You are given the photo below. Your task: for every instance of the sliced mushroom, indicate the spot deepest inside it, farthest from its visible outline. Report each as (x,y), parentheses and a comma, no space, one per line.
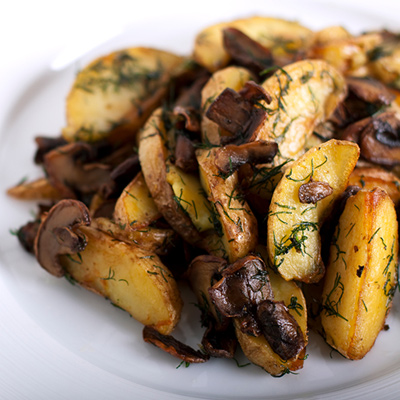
(173,346)
(46,144)
(245,51)
(58,234)
(244,284)
(281,330)
(312,192)
(230,157)
(380,140)
(220,344)
(237,113)
(71,171)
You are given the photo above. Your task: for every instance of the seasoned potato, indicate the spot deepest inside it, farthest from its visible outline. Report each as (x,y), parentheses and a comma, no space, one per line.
(135,207)
(304,94)
(230,77)
(153,155)
(301,200)
(189,194)
(281,36)
(238,226)
(361,275)
(39,189)
(371,177)
(257,349)
(115,94)
(132,278)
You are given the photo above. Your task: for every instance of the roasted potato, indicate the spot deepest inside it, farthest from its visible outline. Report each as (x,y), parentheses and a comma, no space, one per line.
(281,36)
(237,225)
(135,207)
(39,189)
(132,278)
(361,275)
(114,95)
(304,94)
(294,219)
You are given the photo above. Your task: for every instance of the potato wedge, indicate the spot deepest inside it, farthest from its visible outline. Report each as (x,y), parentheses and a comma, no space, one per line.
(281,36)
(257,349)
(229,77)
(153,240)
(371,177)
(39,189)
(114,95)
(361,275)
(294,221)
(153,155)
(237,226)
(132,278)
(135,207)
(304,94)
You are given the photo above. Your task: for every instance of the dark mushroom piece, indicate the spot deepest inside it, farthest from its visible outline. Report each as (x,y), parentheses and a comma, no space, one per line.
(59,234)
(230,157)
(245,51)
(244,284)
(71,171)
(219,344)
(173,346)
(281,330)
(314,191)
(238,113)
(45,144)
(380,140)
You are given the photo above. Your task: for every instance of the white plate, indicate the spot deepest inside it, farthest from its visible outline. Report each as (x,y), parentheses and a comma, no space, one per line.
(58,341)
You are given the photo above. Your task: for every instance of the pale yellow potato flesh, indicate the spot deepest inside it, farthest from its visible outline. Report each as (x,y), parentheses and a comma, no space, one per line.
(230,77)
(281,36)
(293,240)
(361,275)
(190,195)
(135,207)
(239,233)
(304,94)
(130,277)
(115,94)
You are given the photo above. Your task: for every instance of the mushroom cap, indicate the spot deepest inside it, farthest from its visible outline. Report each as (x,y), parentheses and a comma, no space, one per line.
(58,234)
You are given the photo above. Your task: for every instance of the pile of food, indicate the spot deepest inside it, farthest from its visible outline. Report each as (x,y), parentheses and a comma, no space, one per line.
(262,170)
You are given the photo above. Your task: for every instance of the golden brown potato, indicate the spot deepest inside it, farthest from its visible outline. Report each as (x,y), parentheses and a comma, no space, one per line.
(132,278)
(361,275)
(281,36)
(153,155)
(229,77)
(135,207)
(371,177)
(233,216)
(39,189)
(153,240)
(115,94)
(304,94)
(300,202)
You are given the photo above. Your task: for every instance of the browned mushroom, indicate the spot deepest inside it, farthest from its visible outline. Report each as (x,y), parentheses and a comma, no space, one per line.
(220,344)
(314,191)
(71,171)
(380,140)
(281,330)
(365,97)
(46,144)
(173,346)
(238,113)
(58,234)
(245,51)
(230,157)
(244,284)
